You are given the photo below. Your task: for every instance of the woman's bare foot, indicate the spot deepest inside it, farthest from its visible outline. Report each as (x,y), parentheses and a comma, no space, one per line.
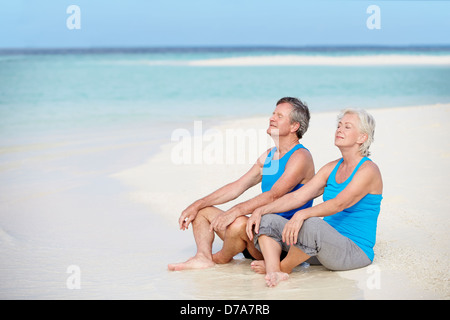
(258,266)
(274,278)
(196,262)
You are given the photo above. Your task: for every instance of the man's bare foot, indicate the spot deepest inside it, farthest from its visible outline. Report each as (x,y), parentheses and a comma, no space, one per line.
(196,262)
(274,278)
(258,266)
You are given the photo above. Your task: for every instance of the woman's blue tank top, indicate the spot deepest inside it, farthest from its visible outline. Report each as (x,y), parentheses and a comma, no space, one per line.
(273,170)
(359,222)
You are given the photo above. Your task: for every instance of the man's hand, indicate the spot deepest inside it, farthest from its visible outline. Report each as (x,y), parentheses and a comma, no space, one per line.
(222,221)
(187,216)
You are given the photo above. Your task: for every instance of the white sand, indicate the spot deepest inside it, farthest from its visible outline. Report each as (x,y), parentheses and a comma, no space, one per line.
(64,203)
(412,252)
(308,60)
(302,60)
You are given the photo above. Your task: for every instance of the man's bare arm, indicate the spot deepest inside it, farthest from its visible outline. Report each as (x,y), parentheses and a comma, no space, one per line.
(298,170)
(224,194)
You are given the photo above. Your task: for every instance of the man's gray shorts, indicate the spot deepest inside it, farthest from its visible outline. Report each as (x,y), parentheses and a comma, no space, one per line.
(317,239)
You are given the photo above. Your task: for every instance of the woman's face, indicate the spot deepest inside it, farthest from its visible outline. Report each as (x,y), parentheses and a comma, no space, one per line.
(348,133)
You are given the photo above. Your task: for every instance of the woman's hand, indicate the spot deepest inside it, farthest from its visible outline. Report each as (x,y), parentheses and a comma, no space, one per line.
(292,228)
(254,221)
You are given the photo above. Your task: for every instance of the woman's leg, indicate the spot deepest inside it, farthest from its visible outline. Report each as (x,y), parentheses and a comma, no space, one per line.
(333,250)
(268,241)
(316,239)
(271,251)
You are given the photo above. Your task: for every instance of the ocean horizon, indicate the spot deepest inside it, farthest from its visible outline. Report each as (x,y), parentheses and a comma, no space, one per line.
(221,48)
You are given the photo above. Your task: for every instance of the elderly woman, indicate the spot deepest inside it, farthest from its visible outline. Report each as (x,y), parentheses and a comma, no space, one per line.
(345,237)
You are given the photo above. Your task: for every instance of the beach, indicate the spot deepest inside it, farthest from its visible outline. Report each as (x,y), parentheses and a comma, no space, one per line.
(412,250)
(118,229)
(96,167)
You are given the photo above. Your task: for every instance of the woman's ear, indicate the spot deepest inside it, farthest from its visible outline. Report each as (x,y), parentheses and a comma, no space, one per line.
(362,138)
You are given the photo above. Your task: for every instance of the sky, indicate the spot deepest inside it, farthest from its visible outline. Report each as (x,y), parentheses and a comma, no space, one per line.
(215,23)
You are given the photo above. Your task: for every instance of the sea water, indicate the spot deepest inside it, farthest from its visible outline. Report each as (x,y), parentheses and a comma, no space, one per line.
(71,119)
(64,91)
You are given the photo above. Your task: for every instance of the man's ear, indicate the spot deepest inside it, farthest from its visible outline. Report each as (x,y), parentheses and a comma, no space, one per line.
(295,126)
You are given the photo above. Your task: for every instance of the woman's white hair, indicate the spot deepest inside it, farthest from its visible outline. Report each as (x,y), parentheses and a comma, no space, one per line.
(366,126)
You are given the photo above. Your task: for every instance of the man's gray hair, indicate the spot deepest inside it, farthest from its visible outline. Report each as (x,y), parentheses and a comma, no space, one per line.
(299,113)
(366,125)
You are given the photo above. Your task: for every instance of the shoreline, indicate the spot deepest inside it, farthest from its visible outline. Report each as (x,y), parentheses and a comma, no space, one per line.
(411,254)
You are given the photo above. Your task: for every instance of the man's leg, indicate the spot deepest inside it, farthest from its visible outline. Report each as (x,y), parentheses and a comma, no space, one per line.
(294,257)
(236,241)
(204,240)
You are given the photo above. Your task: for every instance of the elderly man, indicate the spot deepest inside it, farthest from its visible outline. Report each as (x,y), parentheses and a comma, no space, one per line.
(280,170)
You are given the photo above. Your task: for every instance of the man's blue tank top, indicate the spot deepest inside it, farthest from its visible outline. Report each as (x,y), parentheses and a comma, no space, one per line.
(273,170)
(359,222)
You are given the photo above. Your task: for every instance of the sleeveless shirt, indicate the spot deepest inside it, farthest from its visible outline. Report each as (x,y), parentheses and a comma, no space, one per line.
(273,170)
(358,222)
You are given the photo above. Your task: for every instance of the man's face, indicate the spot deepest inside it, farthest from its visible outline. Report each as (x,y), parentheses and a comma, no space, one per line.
(280,121)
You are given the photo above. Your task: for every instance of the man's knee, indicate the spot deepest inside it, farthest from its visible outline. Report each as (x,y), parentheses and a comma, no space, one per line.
(237,228)
(208,213)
